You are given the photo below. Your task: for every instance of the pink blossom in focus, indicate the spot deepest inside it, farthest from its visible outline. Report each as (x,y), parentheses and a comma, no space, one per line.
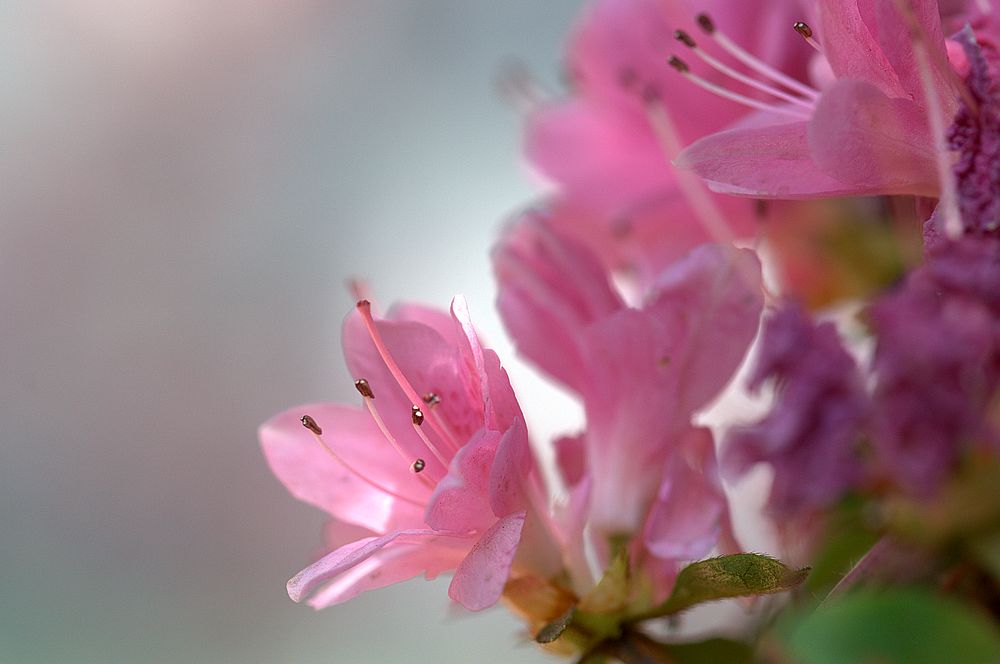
(641,373)
(433,476)
(866,132)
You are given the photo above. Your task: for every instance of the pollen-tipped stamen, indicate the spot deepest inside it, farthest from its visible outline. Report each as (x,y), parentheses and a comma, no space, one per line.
(380,423)
(806,32)
(310,424)
(753,62)
(725,69)
(365,309)
(685,71)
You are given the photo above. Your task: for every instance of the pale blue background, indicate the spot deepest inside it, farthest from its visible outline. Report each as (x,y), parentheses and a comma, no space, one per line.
(184,188)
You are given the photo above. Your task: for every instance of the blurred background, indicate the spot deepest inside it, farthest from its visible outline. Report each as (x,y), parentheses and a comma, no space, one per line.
(185,186)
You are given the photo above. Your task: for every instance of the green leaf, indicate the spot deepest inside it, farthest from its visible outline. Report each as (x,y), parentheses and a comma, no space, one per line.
(901,626)
(724,577)
(712,651)
(555,629)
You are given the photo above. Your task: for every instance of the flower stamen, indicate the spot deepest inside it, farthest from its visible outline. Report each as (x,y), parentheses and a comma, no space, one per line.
(310,424)
(685,71)
(751,61)
(725,69)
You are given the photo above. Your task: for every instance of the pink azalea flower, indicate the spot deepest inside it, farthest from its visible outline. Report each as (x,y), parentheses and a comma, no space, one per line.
(604,145)
(641,373)
(869,131)
(434,474)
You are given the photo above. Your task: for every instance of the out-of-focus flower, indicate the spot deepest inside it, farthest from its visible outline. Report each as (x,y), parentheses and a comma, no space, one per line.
(439,473)
(812,433)
(868,130)
(604,145)
(937,363)
(641,373)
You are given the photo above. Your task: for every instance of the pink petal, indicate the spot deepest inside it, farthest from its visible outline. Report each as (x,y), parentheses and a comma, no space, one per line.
(511,471)
(690,509)
(398,561)
(714,313)
(767,162)
(436,319)
(571,459)
(550,287)
(849,34)
(873,143)
(312,475)
(461,502)
(343,559)
(600,155)
(480,578)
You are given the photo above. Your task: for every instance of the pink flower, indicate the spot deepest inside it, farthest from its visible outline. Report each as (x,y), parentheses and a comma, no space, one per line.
(433,475)
(604,145)
(867,132)
(641,373)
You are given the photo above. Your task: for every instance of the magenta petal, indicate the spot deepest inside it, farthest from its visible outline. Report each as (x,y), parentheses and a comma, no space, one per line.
(511,471)
(312,474)
(873,143)
(343,559)
(766,162)
(849,33)
(480,578)
(690,509)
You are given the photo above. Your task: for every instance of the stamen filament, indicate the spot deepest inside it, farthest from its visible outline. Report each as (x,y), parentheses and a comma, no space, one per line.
(433,448)
(752,61)
(685,71)
(380,423)
(365,308)
(722,67)
(364,478)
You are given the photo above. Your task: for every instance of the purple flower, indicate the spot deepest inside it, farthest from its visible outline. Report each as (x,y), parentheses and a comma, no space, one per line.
(810,436)
(937,362)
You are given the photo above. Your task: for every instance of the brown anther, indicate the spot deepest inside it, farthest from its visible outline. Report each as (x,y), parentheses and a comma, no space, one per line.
(418,465)
(684,38)
(363,303)
(309,423)
(705,23)
(431,399)
(364,388)
(803,29)
(418,415)
(678,64)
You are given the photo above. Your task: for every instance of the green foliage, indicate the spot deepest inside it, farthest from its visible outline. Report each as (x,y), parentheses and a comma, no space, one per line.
(901,626)
(737,575)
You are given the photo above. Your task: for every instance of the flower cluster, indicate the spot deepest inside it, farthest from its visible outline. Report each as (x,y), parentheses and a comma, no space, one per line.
(698,140)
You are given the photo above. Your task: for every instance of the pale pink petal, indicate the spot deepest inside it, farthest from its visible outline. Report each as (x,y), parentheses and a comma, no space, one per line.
(503,403)
(398,561)
(461,502)
(767,162)
(873,143)
(344,558)
(690,509)
(480,578)
(713,301)
(470,350)
(511,471)
(313,475)
(896,40)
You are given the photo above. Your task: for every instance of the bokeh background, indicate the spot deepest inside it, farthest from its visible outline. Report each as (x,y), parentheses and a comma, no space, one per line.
(185,186)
